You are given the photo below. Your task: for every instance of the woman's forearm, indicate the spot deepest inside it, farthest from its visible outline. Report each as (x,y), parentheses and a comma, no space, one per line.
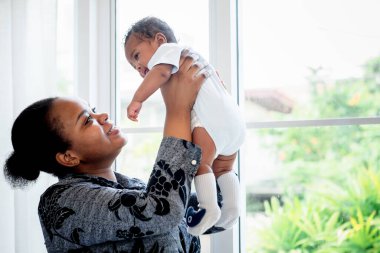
(177,124)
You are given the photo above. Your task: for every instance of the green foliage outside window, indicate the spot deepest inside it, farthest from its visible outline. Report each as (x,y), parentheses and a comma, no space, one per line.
(331,175)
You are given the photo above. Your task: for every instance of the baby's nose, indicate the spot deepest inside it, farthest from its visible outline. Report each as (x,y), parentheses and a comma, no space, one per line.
(137,66)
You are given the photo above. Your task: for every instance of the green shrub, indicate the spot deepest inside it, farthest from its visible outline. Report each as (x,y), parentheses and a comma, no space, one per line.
(345,221)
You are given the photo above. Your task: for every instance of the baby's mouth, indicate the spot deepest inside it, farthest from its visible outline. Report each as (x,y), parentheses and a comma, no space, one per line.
(146,71)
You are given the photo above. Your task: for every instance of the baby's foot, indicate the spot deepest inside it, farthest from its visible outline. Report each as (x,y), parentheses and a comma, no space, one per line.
(201,220)
(228,218)
(230,189)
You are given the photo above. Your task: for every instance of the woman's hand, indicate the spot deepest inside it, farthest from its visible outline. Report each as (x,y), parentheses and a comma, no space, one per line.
(179,95)
(181,90)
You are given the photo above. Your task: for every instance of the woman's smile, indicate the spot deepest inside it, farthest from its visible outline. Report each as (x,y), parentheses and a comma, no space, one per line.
(113,131)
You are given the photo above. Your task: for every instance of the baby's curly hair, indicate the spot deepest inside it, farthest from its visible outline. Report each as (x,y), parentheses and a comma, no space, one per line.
(148,27)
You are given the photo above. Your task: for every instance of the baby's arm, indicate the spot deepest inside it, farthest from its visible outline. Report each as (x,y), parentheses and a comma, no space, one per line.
(153,80)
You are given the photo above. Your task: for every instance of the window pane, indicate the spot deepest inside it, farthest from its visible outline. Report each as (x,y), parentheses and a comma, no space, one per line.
(310,59)
(190,31)
(138,156)
(322,179)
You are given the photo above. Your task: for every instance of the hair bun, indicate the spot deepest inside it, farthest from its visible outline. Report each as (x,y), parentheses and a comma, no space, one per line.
(19,171)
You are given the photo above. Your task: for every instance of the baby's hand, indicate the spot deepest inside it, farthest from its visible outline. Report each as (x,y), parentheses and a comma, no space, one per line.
(133,110)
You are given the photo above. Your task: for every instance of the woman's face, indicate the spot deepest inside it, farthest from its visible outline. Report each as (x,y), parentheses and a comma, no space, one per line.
(94,139)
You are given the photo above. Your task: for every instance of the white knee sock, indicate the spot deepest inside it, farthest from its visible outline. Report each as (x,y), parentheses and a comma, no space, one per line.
(230,189)
(205,186)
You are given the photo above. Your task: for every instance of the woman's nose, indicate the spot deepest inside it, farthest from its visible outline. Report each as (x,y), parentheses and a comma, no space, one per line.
(103,118)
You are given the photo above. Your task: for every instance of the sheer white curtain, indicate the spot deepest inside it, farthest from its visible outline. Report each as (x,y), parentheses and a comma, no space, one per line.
(27,73)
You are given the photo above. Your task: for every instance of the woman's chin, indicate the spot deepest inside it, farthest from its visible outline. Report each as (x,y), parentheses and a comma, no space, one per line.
(124,140)
(120,137)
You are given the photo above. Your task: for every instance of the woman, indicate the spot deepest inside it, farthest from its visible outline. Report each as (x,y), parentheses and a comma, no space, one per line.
(92,208)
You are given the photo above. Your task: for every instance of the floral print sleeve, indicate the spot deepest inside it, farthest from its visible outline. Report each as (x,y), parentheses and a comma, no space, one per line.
(81,210)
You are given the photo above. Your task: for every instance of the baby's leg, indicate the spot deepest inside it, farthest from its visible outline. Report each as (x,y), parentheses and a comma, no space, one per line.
(205,187)
(229,186)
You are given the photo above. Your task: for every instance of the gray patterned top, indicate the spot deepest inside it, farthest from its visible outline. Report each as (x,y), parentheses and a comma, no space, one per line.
(83,213)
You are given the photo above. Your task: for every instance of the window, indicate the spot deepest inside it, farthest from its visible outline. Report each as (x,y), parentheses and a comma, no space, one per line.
(145,135)
(190,23)
(310,74)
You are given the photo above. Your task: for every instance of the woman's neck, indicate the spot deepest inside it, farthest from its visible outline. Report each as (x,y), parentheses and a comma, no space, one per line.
(110,175)
(106,173)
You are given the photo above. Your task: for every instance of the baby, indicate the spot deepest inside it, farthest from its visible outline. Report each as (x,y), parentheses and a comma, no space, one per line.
(216,122)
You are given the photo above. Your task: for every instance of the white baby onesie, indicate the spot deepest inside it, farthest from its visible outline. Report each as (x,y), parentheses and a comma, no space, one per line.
(214,108)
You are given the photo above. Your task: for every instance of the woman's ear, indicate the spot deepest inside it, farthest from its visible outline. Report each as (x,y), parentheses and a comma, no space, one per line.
(67,159)
(160,38)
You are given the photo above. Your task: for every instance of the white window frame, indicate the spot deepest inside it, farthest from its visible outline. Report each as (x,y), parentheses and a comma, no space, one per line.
(257,125)
(95,67)
(95,78)
(94,52)
(224,57)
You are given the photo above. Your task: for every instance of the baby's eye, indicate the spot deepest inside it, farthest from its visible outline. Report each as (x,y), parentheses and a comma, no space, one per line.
(136,56)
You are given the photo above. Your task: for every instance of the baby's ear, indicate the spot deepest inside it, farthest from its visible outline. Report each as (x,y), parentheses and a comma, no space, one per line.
(160,38)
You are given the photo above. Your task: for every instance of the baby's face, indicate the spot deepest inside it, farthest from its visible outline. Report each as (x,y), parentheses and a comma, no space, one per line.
(138,53)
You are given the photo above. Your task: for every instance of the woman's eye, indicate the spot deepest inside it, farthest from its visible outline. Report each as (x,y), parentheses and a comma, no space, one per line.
(136,57)
(88,119)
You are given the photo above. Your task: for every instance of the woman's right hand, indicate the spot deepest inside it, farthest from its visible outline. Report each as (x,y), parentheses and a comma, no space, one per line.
(179,95)
(181,90)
